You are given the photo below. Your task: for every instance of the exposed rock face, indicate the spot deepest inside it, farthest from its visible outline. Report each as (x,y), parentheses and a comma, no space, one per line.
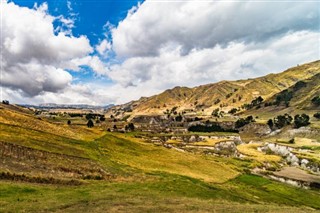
(286,153)
(256,128)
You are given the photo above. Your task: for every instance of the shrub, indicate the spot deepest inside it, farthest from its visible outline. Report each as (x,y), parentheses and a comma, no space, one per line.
(242,122)
(5,102)
(282,120)
(233,111)
(301,120)
(90,124)
(317,115)
(316,100)
(270,123)
(285,96)
(215,113)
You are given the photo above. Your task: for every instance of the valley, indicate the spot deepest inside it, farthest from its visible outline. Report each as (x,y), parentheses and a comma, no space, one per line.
(256,149)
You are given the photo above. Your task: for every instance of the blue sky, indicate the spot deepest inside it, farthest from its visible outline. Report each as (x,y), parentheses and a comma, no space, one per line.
(90,18)
(101,52)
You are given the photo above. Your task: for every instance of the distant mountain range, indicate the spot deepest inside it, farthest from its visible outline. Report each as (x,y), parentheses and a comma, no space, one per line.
(67,106)
(227,95)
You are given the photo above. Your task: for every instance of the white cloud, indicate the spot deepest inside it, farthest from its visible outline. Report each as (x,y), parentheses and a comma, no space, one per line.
(204,24)
(159,45)
(103,47)
(164,44)
(34,58)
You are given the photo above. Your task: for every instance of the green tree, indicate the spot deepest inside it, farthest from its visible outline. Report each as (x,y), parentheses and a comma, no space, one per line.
(90,123)
(316,100)
(317,115)
(301,120)
(282,120)
(270,123)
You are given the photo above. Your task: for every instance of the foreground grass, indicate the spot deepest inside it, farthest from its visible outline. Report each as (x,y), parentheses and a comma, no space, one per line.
(161,192)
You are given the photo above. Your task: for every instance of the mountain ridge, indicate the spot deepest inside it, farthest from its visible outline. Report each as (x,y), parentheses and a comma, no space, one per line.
(224,94)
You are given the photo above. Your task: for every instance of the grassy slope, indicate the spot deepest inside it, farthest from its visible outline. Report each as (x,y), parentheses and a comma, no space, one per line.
(300,102)
(147,178)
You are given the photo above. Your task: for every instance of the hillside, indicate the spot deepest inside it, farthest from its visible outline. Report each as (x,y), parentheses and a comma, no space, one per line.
(225,94)
(72,168)
(293,100)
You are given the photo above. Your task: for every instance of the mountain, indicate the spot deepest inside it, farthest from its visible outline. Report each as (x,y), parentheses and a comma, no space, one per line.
(225,94)
(295,99)
(67,106)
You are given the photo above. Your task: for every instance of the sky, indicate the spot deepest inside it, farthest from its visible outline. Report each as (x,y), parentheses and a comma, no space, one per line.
(113,51)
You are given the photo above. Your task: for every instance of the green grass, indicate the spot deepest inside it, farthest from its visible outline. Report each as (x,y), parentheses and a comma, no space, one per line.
(146,178)
(147,157)
(161,192)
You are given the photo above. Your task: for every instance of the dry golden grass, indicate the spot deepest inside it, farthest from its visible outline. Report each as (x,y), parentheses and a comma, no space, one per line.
(251,151)
(209,142)
(134,152)
(28,121)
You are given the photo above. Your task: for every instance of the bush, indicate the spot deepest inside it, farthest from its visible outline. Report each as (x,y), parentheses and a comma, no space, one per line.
(242,122)
(301,120)
(285,96)
(215,113)
(129,127)
(270,123)
(6,102)
(214,127)
(282,120)
(90,124)
(317,115)
(233,111)
(316,100)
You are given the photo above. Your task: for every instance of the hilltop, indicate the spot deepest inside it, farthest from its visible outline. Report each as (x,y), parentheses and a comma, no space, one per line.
(224,95)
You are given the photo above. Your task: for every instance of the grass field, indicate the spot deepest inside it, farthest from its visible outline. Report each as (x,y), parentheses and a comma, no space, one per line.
(163,193)
(250,150)
(143,177)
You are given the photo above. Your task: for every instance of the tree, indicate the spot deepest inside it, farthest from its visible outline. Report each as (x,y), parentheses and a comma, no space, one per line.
(316,100)
(178,118)
(317,115)
(130,127)
(69,122)
(301,120)
(270,123)
(233,111)
(244,121)
(102,118)
(90,123)
(285,96)
(215,112)
(90,116)
(6,102)
(282,120)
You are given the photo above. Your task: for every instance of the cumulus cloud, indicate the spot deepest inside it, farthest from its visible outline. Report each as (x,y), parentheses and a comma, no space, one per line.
(203,24)
(159,45)
(165,44)
(35,56)
(103,47)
